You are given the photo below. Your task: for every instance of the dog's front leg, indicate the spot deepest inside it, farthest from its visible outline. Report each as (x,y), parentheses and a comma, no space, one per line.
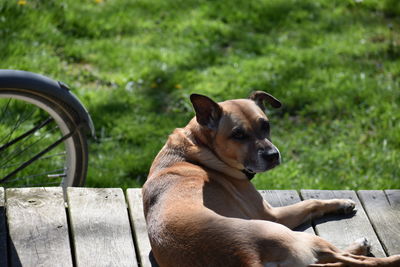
(296,214)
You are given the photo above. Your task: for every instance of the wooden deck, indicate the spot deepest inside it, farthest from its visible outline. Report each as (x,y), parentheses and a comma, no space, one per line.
(105,227)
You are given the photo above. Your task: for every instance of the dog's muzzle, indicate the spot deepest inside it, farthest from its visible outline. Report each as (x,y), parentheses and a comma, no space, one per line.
(265,159)
(272,157)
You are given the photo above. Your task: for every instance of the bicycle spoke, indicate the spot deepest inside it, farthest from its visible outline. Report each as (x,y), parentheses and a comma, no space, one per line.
(54,155)
(19,152)
(31,131)
(38,155)
(50,174)
(21,144)
(16,126)
(42,158)
(5,110)
(40,184)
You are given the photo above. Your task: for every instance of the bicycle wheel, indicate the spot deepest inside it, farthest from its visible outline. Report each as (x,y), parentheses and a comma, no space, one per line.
(42,139)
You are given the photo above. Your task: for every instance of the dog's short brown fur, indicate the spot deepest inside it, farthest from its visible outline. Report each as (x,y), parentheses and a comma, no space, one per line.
(202,210)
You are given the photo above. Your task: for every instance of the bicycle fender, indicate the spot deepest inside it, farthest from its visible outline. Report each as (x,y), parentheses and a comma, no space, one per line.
(28,80)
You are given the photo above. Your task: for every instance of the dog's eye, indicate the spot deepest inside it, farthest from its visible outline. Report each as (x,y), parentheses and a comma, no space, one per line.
(239,134)
(265,127)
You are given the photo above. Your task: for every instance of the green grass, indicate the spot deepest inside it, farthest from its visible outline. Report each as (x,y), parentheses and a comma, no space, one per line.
(334,64)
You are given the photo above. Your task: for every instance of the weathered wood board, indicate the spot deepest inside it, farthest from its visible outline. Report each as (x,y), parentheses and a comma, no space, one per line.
(342,230)
(394,198)
(104,233)
(100,227)
(3,231)
(38,228)
(280,198)
(134,196)
(384,213)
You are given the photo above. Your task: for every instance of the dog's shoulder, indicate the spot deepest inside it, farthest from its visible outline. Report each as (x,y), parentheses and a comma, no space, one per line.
(185,176)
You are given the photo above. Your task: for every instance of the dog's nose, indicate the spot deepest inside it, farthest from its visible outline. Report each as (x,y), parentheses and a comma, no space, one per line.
(271,156)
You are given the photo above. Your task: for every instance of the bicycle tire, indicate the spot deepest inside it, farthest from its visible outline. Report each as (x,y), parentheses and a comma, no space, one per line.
(68,113)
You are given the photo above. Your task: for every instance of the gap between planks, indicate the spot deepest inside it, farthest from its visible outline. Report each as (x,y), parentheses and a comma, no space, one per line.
(3,231)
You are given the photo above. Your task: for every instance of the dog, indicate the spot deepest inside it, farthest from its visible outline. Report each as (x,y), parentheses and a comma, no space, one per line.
(202,210)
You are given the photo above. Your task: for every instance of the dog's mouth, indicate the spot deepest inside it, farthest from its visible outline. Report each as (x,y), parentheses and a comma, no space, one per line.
(249,173)
(260,169)
(247,170)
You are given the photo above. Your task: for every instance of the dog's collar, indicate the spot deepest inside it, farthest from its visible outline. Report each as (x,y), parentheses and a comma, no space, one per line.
(249,175)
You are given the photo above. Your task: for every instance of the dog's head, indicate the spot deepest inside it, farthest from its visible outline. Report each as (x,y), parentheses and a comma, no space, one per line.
(238,131)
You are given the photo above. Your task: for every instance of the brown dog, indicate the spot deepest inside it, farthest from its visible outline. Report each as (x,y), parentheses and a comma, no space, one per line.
(202,210)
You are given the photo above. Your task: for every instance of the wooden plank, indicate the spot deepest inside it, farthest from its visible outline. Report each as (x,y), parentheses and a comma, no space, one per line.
(394,198)
(3,231)
(280,198)
(38,228)
(342,230)
(100,227)
(138,221)
(384,217)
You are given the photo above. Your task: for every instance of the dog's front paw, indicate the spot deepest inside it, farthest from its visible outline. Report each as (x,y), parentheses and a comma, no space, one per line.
(347,206)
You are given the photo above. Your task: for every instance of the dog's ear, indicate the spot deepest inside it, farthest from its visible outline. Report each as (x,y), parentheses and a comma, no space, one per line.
(207,111)
(259,97)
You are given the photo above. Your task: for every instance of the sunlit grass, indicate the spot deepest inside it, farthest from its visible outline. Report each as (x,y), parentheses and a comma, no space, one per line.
(334,65)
